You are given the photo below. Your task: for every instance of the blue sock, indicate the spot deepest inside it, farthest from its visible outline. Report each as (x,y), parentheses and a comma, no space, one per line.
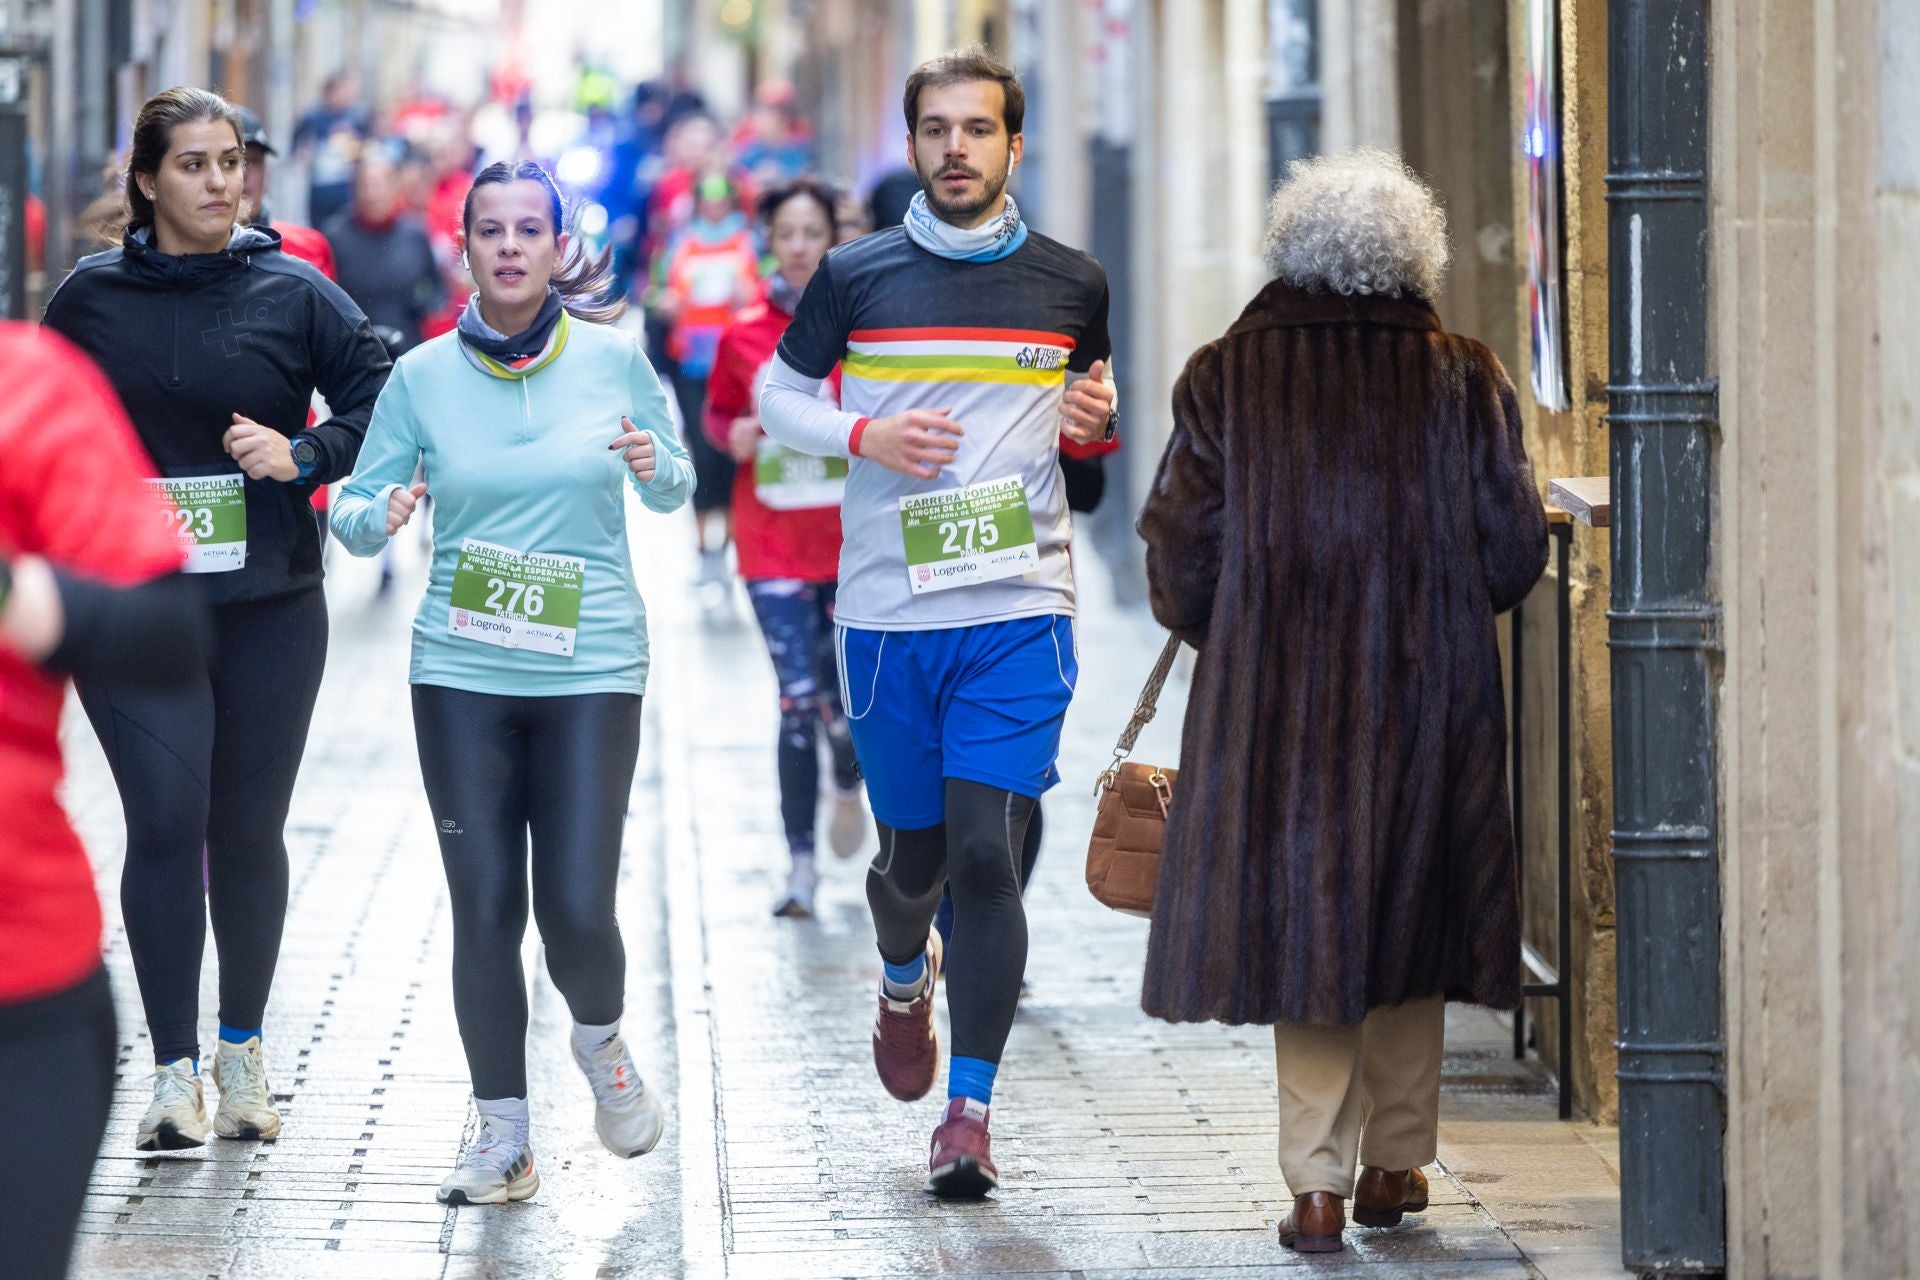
(237,1035)
(905,980)
(971,1078)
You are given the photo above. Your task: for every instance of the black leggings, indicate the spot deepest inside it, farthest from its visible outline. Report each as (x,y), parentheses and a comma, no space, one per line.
(796,618)
(57,1047)
(1029,858)
(206,775)
(496,769)
(977,849)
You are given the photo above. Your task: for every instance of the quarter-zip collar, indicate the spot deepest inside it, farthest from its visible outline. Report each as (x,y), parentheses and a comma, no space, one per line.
(192,269)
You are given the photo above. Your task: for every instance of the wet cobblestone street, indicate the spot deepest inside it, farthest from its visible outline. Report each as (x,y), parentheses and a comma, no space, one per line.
(1128,1148)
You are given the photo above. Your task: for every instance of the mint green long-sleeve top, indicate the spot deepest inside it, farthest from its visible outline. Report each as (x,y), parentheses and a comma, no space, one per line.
(521,463)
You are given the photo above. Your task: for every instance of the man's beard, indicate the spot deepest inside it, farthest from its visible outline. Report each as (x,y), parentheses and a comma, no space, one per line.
(963,213)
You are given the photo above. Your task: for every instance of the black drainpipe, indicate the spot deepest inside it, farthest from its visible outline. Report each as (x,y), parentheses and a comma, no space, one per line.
(1664,628)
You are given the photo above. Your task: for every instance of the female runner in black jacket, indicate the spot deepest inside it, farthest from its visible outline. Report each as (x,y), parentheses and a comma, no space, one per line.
(215,341)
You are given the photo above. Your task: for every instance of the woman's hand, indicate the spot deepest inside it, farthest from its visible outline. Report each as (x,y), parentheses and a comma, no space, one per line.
(743,439)
(262,452)
(400,506)
(636,447)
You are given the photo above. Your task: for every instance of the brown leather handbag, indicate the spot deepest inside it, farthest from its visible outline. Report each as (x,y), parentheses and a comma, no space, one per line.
(1123,858)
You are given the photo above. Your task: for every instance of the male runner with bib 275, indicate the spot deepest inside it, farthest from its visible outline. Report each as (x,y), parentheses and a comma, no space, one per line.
(967,344)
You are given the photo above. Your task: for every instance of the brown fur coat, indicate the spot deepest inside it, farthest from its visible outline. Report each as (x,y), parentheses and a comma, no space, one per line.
(1343,507)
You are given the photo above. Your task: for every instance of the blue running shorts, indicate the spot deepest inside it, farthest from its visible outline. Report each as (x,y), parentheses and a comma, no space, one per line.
(982,703)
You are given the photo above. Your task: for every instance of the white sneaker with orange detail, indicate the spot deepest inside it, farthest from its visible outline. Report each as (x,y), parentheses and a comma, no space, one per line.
(627,1115)
(498,1167)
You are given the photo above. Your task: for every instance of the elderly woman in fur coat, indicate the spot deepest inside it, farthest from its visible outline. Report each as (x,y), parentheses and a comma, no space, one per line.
(1343,508)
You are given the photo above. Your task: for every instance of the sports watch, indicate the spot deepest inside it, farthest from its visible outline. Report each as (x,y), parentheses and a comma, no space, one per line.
(1113,424)
(306,454)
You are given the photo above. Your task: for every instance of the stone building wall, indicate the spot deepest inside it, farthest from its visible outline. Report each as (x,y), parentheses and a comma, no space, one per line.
(1816,250)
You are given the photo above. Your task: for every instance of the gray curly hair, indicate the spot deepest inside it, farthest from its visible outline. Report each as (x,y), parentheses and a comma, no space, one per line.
(1359,221)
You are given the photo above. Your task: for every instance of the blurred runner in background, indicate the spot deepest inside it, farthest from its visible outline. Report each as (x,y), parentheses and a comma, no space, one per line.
(384,258)
(301,242)
(708,271)
(773,144)
(327,141)
(786,511)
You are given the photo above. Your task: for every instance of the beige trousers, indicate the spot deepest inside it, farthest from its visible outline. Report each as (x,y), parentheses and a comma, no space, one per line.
(1366,1093)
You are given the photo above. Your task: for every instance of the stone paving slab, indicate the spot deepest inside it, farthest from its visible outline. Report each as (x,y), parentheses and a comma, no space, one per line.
(1129,1148)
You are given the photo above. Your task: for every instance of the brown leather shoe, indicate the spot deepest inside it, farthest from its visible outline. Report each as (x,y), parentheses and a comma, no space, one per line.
(1382,1197)
(1314,1223)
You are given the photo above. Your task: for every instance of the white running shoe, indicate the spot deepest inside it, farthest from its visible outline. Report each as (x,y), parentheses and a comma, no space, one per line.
(796,902)
(498,1167)
(246,1103)
(177,1119)
(627,1115)
(847,830)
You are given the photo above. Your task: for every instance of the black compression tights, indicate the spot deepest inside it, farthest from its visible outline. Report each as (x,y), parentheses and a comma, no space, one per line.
(57,1047)
(499,769)
(977,850)
(206,774)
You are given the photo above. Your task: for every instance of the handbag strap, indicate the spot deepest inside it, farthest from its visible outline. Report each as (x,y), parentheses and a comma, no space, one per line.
(1143,710)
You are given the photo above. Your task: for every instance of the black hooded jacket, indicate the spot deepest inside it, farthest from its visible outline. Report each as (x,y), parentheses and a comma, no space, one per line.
(189,341)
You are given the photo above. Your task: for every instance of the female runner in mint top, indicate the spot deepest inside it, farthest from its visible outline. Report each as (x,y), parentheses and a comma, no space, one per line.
(530,647)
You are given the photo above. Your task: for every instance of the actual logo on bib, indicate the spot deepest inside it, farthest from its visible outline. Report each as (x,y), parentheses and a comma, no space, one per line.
(1041,358)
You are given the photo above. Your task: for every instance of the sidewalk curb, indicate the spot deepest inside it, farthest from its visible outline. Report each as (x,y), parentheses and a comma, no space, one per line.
(702,1127)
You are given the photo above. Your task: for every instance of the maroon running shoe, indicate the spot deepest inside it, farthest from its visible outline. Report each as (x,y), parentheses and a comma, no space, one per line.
(961,1165)
(906,1050)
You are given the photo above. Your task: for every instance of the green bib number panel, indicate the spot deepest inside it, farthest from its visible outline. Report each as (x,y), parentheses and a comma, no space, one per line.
(515,599)
(208,514)
(961,537)
(787,481)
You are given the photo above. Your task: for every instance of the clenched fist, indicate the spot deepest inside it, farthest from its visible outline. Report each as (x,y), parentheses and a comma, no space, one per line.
(637,448)
(262,452)
(400,506)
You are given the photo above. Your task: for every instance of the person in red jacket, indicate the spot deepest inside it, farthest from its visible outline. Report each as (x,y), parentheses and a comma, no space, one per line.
(786,529)
(88,587)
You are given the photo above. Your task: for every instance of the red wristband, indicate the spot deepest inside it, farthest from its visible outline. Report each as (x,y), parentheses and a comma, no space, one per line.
(853,437)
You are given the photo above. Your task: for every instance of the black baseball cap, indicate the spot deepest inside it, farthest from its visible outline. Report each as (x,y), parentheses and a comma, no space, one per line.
(253,133)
